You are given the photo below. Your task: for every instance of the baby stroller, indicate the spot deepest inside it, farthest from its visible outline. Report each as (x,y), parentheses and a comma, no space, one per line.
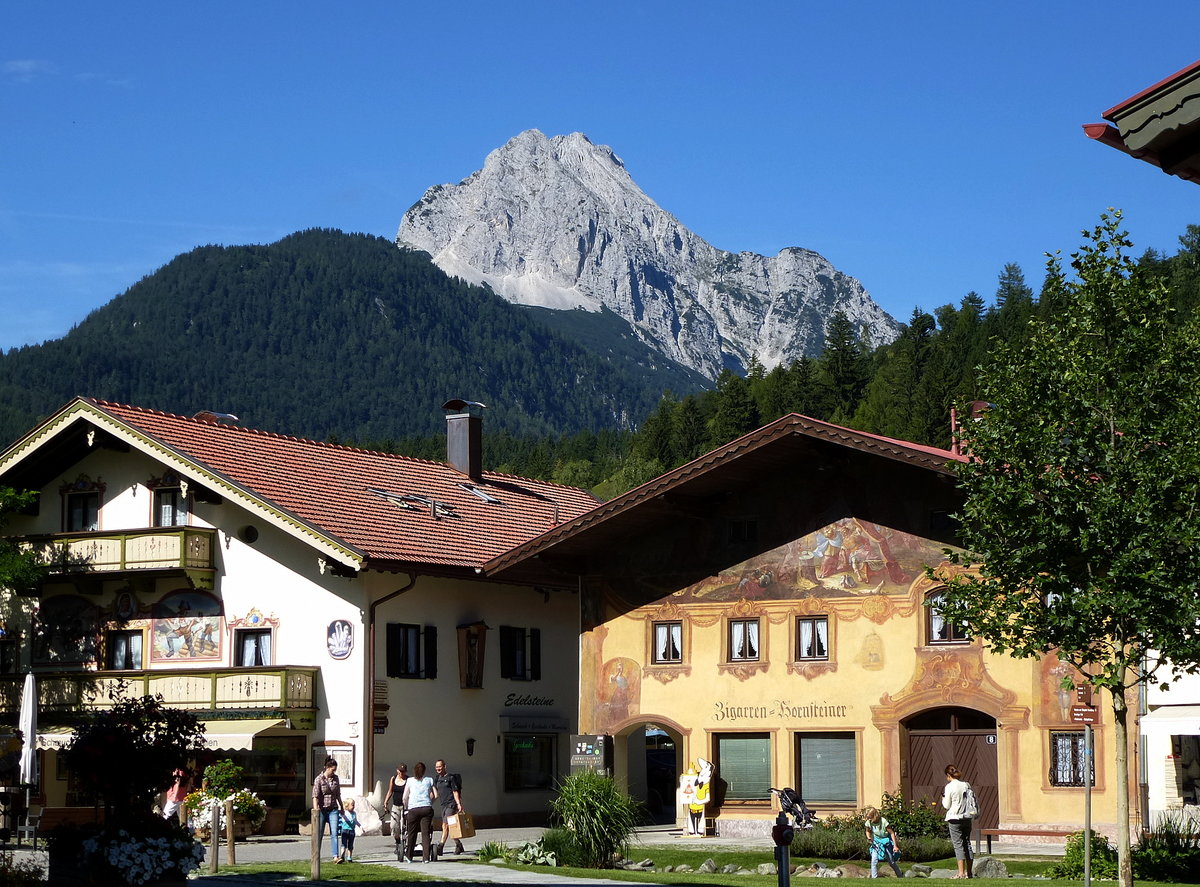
(793,805)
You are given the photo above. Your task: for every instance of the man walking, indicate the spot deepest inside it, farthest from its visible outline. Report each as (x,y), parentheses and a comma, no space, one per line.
(449,793)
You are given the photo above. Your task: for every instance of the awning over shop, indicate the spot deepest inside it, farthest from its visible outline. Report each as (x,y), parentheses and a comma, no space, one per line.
(237,735)
(54,737)
(1173,720)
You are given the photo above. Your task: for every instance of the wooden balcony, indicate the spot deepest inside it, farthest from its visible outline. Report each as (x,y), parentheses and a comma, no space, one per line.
(282,691)
(186,550)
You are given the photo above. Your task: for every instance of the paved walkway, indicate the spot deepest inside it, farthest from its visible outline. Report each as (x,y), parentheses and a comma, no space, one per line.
(380,850)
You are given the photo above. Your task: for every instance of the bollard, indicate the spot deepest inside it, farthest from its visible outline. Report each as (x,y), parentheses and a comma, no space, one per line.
(214,836)
(230,853)
(782,834)
(314,862)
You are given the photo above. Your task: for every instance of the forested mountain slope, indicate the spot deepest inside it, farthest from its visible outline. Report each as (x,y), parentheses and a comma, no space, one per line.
(330,334)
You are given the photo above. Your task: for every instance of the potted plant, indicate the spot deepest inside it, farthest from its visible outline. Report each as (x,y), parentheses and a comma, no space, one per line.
(223,781)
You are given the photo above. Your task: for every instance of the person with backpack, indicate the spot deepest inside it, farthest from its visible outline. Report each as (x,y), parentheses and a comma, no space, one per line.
(961,807)
(883,841)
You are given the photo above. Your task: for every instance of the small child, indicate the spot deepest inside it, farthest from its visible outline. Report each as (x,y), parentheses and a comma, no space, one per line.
(347,823)
(884,844)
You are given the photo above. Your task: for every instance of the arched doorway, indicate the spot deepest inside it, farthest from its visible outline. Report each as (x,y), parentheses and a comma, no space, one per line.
(961,736)
(652,767)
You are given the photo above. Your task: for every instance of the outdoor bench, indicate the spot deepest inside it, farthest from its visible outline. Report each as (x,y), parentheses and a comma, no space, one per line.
(990,833)
(49,818)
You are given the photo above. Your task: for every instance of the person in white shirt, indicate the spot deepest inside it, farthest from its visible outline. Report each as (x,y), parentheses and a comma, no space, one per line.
(956,819)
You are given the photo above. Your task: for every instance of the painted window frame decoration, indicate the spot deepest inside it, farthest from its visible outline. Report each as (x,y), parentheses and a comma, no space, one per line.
(665,671)
(816,630)
(744,640)
(749,615)
(187,626)
(82,488)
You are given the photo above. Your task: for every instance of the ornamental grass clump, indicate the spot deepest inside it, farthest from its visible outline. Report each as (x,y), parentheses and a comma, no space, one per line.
(599,814)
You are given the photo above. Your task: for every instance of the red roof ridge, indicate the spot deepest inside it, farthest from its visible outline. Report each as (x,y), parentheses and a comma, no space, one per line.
(260,432)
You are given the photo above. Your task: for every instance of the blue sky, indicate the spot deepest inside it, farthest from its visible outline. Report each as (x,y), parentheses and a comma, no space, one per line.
(918,146)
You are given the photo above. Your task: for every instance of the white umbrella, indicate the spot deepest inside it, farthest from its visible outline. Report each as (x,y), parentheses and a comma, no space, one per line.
(28,728)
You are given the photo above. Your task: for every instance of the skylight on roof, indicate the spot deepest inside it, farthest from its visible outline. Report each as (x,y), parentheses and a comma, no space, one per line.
(414,502)
(482,494)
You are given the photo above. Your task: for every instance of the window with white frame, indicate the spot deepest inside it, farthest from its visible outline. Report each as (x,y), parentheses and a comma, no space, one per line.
(170,507)
(252,647)
(520,653)
(812,638)
(743,640)
(411,650)
(668,642)
(939,629)
(123,650)
(82,511)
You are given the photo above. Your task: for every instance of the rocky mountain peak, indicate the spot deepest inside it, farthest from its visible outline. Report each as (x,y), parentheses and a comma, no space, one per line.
(559,223)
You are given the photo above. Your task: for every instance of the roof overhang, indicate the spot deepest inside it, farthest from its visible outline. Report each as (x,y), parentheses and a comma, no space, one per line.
(1160,125)
(82,425)
(776,447)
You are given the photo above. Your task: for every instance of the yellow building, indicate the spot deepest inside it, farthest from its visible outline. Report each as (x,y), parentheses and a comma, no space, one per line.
(766,608)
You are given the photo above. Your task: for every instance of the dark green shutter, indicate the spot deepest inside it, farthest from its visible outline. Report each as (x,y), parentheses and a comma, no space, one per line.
(430,651)
(395,667)
(535,654)
(508,650)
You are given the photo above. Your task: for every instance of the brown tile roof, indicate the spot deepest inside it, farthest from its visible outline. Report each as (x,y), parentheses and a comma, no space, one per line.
(329,488)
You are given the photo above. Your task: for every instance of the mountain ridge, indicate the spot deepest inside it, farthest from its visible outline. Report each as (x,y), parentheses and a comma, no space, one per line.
(559,223)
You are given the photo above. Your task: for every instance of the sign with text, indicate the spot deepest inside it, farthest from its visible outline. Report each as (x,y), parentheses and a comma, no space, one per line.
(1083,714)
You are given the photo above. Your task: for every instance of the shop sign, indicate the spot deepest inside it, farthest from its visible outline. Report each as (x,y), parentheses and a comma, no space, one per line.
(778,710)
(547,723)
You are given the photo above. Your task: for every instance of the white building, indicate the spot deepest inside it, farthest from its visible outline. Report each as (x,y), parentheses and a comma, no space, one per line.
(305,599)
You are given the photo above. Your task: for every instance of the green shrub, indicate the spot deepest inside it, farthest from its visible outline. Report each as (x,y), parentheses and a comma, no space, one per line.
(535,853)
(1104,859)
(1171,851)
(599,814)
(913,819)
(844,837)
(561,842)
(493,850)
(223,778)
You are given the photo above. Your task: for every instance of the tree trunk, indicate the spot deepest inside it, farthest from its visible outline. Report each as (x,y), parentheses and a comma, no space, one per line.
(1121,735)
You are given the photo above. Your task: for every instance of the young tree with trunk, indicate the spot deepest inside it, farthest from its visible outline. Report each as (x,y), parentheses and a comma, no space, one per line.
(1082,507)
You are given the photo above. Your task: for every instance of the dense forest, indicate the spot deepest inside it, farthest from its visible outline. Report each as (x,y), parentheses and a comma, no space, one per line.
(902,390)
(346,338)
(328,334)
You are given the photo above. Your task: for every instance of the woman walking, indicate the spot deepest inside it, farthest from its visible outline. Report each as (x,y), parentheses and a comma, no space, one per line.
(419,794)
(958,799)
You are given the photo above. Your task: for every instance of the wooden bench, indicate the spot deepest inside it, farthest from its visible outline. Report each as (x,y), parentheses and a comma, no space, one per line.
(990,833)
(50,818)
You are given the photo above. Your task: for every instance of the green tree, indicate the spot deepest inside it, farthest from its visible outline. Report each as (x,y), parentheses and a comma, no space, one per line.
(1082,488)
(736,412)
(20,572)
(843,366)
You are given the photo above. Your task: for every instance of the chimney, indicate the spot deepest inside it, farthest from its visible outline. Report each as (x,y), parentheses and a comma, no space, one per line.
(464,436)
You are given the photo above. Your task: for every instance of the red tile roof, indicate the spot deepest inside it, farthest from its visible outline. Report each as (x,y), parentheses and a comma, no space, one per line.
(328,488)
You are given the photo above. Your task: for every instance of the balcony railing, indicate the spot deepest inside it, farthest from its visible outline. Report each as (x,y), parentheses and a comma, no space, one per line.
(188,549)
(283,690)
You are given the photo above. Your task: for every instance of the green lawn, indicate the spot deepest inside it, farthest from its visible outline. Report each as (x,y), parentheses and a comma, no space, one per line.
(662,856)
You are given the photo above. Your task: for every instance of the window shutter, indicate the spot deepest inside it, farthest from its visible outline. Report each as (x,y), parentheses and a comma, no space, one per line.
(535,654)
(508,651)
(430,651)
(395,661)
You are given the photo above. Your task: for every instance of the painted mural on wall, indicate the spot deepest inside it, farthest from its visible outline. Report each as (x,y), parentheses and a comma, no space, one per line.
(186,627)
(620,690)
(848,557)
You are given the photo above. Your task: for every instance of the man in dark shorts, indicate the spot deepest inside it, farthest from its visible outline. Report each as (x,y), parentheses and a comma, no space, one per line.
(449,794)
